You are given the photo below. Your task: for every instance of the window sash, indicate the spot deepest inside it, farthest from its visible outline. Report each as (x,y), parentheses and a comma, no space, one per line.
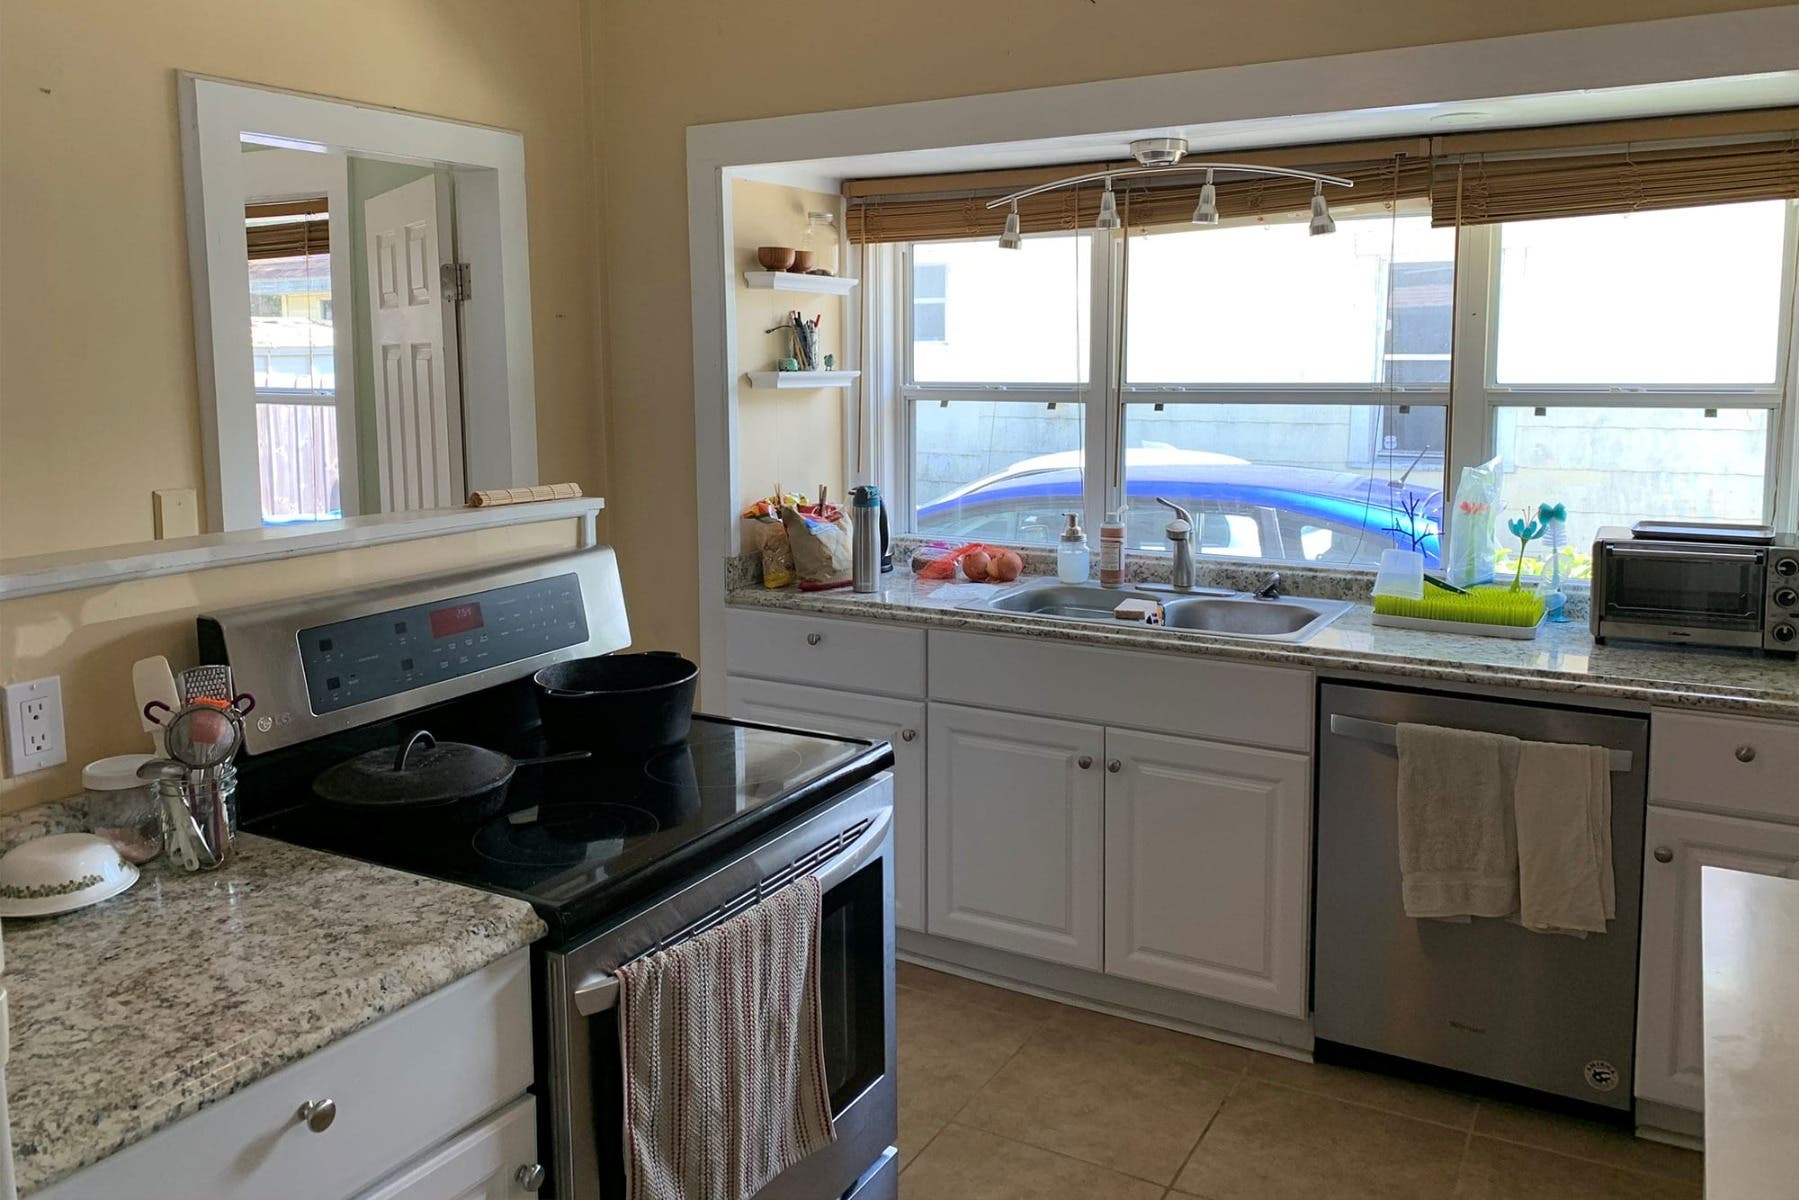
(1472,398)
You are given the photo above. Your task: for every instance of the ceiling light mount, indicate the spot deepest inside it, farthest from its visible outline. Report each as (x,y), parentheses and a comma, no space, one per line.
(1159,151)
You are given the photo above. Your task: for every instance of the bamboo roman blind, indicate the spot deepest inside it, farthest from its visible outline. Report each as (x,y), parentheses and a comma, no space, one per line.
(303,233)
(1478,178)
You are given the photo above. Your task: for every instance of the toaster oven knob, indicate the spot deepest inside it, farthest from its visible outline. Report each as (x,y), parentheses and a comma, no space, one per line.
(1786,566)
(1785,633)
(1786,598)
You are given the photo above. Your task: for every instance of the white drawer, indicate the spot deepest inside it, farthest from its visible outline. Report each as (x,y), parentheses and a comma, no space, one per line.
(1724,764)
(861,656)
(401,1086)
(1175,693)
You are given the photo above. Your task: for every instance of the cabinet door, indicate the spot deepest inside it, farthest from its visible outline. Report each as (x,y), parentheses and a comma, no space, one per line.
(494,1160)
(1208,853)
(1670,1020)
(901,722)
(1014,831)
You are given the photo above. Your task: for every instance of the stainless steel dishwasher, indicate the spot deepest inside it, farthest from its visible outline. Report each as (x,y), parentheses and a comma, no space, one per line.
(1486,998)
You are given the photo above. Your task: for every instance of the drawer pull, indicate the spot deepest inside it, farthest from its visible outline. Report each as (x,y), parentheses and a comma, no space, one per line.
(1663,854)
(1115,766)
(530,1176)
(318,1114)
(908,735)
(1084,762)
(1745,754)
(812,639)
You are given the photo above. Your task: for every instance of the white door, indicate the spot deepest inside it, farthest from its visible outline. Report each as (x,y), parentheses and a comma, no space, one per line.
(494,1160)
(1208,863)
(418,409)
(1671,981)
(900,722)
(1015,813)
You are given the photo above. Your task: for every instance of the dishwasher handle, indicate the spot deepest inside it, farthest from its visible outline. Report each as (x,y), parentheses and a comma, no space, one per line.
(1382,733)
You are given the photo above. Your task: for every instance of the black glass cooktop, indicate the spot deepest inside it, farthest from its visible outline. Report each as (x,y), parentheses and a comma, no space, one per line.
(580,839)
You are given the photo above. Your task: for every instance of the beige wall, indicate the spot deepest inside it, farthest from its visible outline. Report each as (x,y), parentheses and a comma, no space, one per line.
(98,398)
(793,438)
(660,67)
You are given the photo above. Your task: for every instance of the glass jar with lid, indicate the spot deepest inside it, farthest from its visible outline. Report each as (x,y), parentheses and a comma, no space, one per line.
(122,808)
(820,238)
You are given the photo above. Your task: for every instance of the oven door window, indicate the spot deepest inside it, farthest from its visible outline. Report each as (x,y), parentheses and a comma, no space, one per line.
(1705,591)
(851,966)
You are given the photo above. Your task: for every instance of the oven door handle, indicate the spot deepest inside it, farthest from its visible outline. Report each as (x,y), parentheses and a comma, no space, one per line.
(599,992)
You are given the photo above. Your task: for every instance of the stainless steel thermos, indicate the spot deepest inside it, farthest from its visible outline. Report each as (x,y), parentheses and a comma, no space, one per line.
(865,513)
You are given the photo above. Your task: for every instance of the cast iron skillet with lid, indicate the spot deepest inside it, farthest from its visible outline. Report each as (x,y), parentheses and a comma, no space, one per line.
(426,777)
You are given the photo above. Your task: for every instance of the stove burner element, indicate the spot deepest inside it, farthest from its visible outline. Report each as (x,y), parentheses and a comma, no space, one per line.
(556,835)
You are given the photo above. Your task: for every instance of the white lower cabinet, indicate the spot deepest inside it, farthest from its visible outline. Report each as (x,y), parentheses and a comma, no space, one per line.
(495,1160)
(877,718)
(1208,868)
(1014,829)
(1670,1019)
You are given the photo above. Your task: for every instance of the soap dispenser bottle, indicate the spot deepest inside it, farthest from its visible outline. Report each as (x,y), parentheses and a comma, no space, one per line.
(1073,558)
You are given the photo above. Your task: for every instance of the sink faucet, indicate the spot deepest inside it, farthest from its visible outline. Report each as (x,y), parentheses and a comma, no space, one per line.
(1270,590)
(1183,575)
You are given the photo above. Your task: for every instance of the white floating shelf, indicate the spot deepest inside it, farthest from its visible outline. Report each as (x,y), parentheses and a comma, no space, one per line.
(803,379)
(793,281)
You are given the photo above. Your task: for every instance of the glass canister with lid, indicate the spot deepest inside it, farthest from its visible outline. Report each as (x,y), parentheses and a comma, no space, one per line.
(122,808)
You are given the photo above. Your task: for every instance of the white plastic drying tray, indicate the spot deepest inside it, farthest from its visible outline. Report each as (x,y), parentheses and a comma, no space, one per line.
(1517,633)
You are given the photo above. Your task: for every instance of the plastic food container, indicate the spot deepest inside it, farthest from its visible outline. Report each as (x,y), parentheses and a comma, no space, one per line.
(122,808)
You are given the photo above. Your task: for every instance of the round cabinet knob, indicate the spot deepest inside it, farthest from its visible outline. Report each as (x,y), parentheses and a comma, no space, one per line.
(318,1114)
(908,735)
(812,639)
(1663,854)
(530,1176)
(1084,762)
(1745,753)
(1787,567)
(1114,766)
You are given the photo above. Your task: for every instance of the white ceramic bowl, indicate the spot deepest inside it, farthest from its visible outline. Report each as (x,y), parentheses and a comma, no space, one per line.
(61,873)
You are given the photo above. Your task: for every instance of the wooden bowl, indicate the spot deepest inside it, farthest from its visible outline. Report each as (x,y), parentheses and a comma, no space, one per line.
(802,261)
(775,258)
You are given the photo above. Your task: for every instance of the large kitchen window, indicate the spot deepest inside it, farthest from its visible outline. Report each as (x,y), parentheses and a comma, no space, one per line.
(1312,399)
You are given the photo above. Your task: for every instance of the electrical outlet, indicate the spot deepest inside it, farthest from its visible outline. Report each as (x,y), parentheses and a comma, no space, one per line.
(34,732)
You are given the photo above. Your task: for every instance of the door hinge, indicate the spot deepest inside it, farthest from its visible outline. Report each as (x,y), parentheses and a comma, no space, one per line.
(456,284)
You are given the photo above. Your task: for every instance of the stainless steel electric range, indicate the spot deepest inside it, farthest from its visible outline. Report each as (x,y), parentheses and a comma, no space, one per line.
(621,854)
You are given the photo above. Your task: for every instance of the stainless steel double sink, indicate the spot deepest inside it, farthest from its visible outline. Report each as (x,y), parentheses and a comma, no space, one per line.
(1203,610)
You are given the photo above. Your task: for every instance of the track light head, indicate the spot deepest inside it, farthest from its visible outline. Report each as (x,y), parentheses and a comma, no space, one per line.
(1108,209)
(1321,213)
(1207,211)
(1011,239)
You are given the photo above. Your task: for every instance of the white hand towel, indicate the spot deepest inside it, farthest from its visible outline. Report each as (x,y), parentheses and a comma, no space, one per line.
(1563,804)
(724,1055)
(1458,850)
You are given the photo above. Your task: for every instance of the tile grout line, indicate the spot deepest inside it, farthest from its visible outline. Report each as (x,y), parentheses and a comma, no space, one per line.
(1236,1083)
(1294,1087)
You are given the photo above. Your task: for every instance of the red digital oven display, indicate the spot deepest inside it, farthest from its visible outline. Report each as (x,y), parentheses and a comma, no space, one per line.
(460,618)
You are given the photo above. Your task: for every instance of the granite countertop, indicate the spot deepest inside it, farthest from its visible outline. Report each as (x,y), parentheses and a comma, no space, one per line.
(1562,658)
(157,1003)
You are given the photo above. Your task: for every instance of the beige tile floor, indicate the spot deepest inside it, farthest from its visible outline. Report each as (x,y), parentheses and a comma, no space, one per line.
(1005,1096)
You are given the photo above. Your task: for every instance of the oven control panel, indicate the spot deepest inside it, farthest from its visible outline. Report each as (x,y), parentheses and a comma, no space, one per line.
(384,654)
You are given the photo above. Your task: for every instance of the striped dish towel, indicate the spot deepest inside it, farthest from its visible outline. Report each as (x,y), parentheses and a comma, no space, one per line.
(724,1056)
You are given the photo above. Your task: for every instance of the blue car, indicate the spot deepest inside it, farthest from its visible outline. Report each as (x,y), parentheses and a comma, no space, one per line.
(1242,509)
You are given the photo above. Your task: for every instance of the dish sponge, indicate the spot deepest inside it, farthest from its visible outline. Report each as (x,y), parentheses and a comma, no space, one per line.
(1491,605)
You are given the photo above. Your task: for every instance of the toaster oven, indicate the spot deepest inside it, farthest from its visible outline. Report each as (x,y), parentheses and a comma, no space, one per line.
(1697,585)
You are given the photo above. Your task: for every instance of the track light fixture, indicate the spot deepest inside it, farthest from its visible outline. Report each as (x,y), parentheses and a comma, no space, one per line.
(1321,213)
(1011,239)
(1207,211)
(1108,208)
